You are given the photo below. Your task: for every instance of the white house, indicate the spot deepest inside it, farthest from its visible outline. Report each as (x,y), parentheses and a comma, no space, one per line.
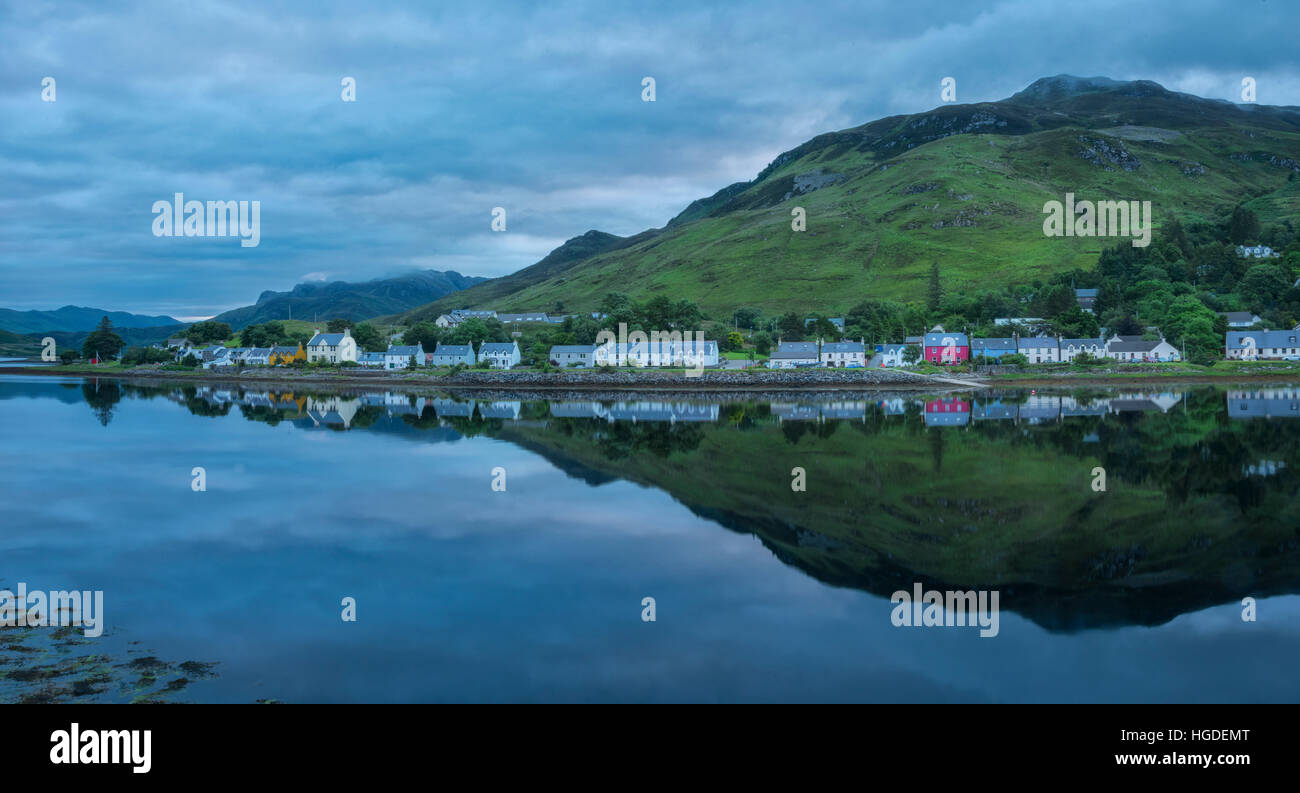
(790,354)
(1256,344)
(452,354)
(332,347)
(892,354)
(1072,348)
(1142,351)
(1039,349)
(573,355)
(399,356)
(535,316)
(1256,252)
(371,359)
(258,356)
(447,321)
(841,354)
(1241,319)
(501,355)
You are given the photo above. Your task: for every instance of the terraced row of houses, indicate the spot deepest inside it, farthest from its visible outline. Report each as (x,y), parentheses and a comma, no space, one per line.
(651,353)
(947,348)
(342,348)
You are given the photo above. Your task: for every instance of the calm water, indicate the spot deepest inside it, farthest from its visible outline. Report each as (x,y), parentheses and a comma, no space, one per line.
(762,593)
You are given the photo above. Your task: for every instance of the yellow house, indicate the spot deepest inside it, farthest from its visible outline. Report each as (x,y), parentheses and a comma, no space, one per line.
(283,356)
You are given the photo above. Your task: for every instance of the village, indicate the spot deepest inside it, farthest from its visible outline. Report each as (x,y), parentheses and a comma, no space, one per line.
(938,347)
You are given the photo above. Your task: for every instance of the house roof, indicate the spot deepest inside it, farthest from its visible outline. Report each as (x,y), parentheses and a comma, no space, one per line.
(941,339)
(326,339)
(1134,346)
(1085,293)
(1263,338)
(1083,342)
(453,349)
(406,350)
(283,349)
(571,349)
(844,346)
(1240,316)
(1001,343)
(498,346)
(796,349)
(1038,342)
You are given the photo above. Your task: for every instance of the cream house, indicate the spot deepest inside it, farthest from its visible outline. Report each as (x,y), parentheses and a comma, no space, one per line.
(332,347)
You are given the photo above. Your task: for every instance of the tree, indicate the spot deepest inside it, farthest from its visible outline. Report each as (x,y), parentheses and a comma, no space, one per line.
(1243,228)
(911,354)
(208,332)
(102,342)
(1077,324)
(368,338)
(791,327)
(747,318)
(762,343)
(735,341)
(1264,285)
(423,333)
(1189,321)
(338,325)
(934,295)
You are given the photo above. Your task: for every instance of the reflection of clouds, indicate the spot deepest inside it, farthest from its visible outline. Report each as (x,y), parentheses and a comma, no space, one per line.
(532,594)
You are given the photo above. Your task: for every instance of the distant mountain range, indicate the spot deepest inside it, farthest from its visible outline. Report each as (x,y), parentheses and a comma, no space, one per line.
(75,318)
(346,300)
(960,185)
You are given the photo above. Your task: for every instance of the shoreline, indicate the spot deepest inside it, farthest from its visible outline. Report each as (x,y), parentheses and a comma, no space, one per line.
(720,381)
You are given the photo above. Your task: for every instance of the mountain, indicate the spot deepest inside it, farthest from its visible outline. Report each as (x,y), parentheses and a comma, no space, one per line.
(961,185)
(355,301)
(75,318)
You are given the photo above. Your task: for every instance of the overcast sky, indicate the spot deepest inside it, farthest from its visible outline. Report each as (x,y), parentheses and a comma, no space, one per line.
(534,107)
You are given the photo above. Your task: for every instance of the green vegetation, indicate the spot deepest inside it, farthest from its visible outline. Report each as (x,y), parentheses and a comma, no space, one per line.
(941,213)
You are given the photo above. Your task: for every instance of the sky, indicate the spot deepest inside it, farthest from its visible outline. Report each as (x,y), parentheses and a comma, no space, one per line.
(536,108)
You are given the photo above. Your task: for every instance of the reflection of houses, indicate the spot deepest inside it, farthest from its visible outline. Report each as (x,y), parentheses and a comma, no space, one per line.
(500,410)
(578,410)
(893,407)
(849,410)
(1040,408)
(334,411)
(995,410)
(661,411)
(1264,403)
(789,411)
(947,412)
(1073,407)
(447,408)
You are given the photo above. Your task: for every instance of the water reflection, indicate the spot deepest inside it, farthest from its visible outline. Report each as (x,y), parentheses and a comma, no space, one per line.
(986,490)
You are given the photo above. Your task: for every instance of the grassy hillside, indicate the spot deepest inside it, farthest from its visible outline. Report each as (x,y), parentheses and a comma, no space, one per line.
(963,185)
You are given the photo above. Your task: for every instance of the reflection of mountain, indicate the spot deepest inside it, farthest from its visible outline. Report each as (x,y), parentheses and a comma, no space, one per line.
(1199,509)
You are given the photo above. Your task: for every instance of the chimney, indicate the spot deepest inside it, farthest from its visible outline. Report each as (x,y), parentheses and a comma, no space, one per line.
(347,333)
